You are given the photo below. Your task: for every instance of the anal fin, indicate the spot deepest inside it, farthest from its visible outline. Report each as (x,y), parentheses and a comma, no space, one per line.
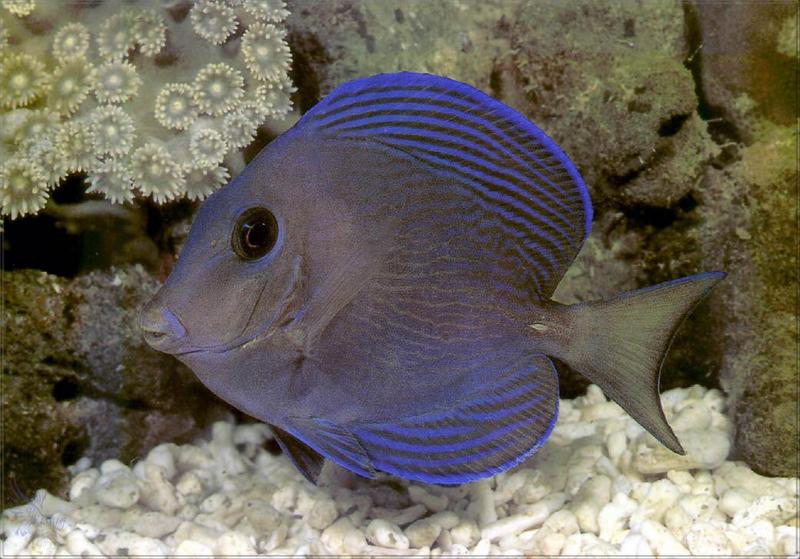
(334,442)
(487,430)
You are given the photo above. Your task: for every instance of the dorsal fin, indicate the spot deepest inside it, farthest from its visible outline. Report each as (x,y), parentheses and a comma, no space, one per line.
(484,432)
(490,151)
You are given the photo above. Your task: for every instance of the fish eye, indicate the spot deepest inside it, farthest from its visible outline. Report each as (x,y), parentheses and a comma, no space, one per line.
(255,233)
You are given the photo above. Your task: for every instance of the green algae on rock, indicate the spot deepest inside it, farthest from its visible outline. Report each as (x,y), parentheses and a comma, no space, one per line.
(744,62)
(749,207)
(337,41)
(614,90)
(615,93)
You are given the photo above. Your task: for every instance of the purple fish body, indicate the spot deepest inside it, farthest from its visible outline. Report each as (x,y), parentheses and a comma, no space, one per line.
(376,286)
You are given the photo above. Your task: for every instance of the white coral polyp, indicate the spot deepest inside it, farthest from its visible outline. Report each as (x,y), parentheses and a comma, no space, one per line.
(3,36)
(269,99)
(156,173)
(239,129)
(49,160)
(35,126)
(175,106)
(78,93)
(111,178)
(201,183)
(116,82)
(116,36)
(22,80)
(150,31)
(112,130)
(69,84)
(265,52)
(71,41)
(75,142)
(218,88)
(207,147)
(273,11)
(277,101)
(23,189)
(213,21)
(20,8)
(255,111)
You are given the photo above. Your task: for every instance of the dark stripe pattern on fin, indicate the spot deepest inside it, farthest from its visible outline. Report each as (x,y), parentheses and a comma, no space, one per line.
(305,459)
(490,151)
(488,431)
(334,442)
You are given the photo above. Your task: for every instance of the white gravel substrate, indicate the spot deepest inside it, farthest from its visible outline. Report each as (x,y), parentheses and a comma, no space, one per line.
(600,486)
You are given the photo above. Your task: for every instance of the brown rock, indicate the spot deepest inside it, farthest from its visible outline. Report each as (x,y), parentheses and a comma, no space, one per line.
(750,208)
(336,41)
(744,71)
(78,379)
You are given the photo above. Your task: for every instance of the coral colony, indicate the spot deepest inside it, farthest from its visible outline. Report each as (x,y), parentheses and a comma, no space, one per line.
(142,97)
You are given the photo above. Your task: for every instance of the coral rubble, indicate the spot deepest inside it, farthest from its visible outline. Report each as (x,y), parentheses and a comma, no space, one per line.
(599,486)
(141,96)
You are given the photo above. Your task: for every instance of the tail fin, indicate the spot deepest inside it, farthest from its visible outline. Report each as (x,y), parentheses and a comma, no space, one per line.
(620,344)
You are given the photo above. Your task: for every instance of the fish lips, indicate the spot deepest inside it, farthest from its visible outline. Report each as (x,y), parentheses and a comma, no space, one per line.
(163,343)
(161,328)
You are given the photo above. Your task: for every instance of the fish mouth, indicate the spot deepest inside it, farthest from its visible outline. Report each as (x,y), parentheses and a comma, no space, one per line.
(286,313)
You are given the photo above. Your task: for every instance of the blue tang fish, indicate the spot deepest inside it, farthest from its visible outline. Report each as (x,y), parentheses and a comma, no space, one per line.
(376,286)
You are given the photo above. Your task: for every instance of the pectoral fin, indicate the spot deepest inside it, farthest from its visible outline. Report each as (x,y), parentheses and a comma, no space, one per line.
(343,282)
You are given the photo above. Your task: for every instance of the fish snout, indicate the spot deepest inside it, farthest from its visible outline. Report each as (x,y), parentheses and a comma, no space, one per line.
(161,328)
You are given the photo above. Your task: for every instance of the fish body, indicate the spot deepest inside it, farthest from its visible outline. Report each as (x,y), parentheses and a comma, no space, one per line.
(376,286)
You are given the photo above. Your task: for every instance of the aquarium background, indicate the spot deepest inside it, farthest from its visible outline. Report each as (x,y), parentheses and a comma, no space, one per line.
(681,116)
